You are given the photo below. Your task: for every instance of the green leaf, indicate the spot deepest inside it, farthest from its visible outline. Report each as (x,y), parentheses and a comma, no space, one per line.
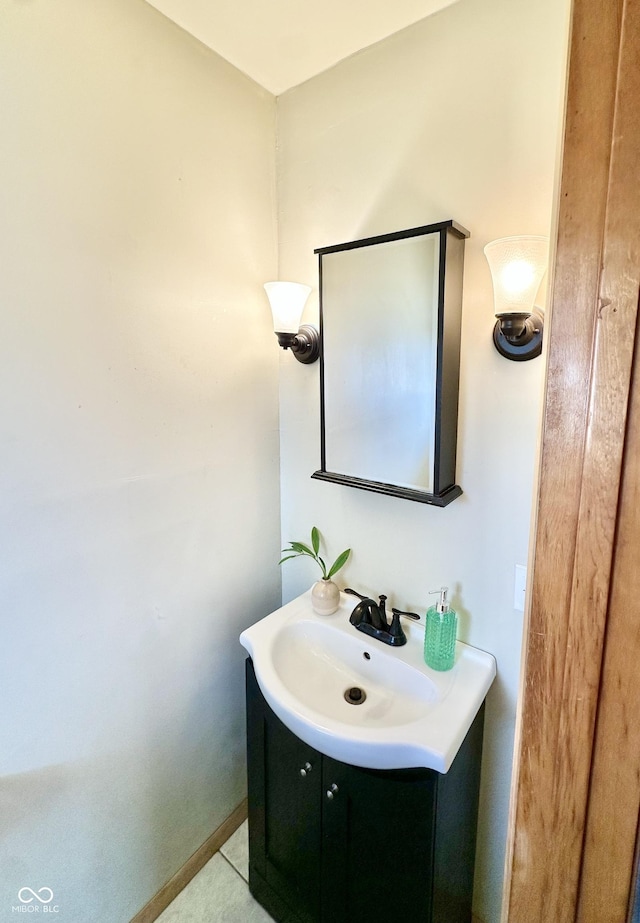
(339,562)
(323,566)
(315,539)
(289,558)
(301,549)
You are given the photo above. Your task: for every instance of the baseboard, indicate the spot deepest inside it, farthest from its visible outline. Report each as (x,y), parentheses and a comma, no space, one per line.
(192,866)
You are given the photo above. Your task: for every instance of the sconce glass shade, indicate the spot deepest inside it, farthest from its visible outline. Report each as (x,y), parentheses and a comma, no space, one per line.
(287,300)
(517,266)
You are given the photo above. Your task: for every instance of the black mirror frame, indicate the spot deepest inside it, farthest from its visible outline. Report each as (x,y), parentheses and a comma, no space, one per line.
(452,238)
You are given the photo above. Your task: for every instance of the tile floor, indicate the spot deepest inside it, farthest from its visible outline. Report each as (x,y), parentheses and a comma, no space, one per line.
(219,893)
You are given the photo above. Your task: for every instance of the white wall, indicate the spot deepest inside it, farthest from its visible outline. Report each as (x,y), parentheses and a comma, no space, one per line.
(139,495)
(456,117)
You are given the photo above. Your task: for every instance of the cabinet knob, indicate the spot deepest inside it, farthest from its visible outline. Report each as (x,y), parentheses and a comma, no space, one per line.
(306,769)
(332,791)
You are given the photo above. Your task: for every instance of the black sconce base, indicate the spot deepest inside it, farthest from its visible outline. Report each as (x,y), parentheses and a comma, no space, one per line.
(305,344)
(519,336)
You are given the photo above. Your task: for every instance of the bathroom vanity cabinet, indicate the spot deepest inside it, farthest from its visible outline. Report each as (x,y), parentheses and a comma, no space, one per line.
(331,843)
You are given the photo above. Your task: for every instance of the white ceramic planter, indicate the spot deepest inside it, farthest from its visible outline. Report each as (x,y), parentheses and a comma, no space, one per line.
(325,597)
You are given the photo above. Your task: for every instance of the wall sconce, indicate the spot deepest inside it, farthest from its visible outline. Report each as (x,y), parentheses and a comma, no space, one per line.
(287,300)
(517,266)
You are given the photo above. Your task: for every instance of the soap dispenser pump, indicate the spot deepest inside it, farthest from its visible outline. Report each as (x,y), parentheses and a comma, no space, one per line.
(440,633)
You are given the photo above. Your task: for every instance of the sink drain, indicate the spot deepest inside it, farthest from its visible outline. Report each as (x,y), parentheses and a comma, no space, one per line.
(355,695)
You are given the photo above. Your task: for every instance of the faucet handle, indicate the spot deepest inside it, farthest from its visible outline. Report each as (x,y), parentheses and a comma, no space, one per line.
(395,629)
(354,593)
(409,615)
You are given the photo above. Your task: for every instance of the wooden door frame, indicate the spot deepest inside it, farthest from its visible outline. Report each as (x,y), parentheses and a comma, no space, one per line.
(591,354)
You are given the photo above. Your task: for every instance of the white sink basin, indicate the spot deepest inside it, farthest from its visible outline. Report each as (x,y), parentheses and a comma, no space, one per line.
(411,715)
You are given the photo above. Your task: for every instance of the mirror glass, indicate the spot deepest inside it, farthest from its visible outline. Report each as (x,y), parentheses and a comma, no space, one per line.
(388,306)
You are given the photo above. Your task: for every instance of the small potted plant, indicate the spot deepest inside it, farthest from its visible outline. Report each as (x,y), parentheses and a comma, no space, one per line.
(325,594)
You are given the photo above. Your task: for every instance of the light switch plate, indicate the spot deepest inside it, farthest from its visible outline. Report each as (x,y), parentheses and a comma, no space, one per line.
(520,587)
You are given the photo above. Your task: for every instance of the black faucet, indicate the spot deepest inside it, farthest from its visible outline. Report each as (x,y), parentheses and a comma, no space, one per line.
(371,618)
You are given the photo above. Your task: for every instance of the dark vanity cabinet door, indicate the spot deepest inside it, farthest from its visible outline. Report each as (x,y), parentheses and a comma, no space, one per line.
(333,843)
(285,777)
(378,840)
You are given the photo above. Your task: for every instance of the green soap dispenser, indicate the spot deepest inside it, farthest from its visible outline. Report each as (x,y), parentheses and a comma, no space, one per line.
(440,633)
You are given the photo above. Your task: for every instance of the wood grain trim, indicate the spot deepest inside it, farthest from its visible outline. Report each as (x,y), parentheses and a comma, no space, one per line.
(192,866)
(614,801)
(591,341)
(614,797)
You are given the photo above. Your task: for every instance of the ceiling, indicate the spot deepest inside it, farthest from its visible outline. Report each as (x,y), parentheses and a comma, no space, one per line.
(281,43)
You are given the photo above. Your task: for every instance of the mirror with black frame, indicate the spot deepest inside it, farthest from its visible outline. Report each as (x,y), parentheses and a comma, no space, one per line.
(390,310)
